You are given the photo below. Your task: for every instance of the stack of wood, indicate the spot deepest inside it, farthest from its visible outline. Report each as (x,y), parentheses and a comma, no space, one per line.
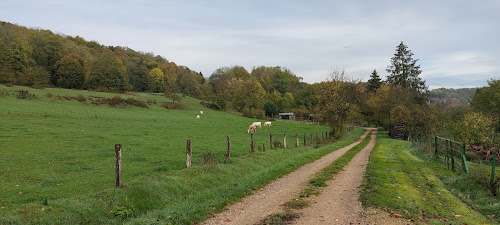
(485,153)
(398,131)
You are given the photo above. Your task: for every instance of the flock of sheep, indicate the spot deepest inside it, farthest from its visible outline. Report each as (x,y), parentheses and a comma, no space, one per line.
(252,126)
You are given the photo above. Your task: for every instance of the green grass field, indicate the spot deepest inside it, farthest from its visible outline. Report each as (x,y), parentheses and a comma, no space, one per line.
(57,163)
(408,184)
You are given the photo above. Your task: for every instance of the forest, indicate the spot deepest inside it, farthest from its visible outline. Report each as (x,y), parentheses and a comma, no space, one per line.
(39,58)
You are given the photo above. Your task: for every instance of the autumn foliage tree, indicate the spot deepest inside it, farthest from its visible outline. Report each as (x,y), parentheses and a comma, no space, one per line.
(337,99)
(70,72)
(108,72)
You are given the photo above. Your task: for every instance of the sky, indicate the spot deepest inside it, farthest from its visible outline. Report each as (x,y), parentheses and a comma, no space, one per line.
(456,42)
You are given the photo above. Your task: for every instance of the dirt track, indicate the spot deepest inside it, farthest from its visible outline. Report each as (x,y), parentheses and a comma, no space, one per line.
(337,204)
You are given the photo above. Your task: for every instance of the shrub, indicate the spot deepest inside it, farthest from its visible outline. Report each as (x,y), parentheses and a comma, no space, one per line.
(124,211)
(80,98)
(37,85)
(151,101)
(209,157)
(210,105)
(277,144)
(117,100)
(135,102)
(68,97)
(25,94)
(49,95)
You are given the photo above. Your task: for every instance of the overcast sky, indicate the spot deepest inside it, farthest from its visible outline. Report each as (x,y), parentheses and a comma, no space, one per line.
(457,42)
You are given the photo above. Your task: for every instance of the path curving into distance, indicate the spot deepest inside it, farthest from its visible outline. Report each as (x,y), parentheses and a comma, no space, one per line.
(269,199)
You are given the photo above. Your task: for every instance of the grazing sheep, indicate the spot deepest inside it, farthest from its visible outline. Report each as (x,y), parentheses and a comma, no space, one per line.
(267,124)
(197,116)
(257,124)
(201,112)
(251,128)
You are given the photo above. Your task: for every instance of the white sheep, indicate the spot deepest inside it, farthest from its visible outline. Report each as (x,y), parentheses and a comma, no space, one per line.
(267,124)
(197,116)
(257,124)
(201,112)
(251,128)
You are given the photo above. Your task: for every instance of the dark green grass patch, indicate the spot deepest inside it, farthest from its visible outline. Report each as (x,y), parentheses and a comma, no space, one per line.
(402,183)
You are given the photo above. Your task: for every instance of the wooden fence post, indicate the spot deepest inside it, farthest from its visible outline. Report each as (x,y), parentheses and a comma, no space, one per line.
(271,140)
(252,145)
(284,141)
(317,140)
(189,150)
(296,140)
(312,139)
(305,142)
(118,165)
(228,153)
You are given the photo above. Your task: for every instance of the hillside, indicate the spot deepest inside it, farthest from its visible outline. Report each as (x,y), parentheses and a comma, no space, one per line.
(456,97)
(37,57)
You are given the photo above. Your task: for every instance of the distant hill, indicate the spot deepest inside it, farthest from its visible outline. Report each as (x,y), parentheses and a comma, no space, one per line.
(455,97)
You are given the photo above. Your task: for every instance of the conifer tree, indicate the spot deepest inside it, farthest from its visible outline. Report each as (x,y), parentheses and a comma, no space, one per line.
(374,82)
(404,72)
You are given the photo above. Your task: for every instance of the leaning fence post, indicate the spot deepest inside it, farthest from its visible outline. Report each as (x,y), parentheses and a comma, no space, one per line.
(188,153)
(493,164)
(284,141)
(296,140)
(118,165)
(305,140)
(464,159)
(252,145)
(228,154)
(271,140)
(317,140)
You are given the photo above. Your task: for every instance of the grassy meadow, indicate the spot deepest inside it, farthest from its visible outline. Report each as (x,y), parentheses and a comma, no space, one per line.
(57,163)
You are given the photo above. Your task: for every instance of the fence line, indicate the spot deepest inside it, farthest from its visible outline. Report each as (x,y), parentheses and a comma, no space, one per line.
(227,154)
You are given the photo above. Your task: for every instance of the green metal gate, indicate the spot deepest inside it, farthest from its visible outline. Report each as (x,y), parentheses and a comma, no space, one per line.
(451,151)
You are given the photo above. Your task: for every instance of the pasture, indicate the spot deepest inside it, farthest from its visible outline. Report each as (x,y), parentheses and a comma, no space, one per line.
(57,163)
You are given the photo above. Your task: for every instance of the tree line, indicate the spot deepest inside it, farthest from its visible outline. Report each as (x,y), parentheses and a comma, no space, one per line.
(40,58)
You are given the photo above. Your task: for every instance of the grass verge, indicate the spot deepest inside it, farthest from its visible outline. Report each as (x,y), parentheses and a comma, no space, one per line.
(410,187)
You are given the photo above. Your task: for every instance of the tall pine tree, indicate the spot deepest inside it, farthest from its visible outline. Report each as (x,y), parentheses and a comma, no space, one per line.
(374,82)
(404,72)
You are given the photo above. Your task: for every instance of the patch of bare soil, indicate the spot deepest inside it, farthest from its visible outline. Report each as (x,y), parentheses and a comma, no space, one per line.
(269,200)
